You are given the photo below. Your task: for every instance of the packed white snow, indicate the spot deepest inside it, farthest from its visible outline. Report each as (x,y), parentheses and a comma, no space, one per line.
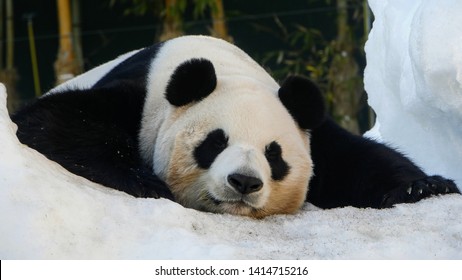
(413,78)
(414,81)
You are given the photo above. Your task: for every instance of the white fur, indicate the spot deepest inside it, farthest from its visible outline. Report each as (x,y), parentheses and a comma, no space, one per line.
(229,62)
(246,106)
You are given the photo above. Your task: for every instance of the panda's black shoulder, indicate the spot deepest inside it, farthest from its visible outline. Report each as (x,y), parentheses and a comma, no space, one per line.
(115,100)
(75,110)
(135,69)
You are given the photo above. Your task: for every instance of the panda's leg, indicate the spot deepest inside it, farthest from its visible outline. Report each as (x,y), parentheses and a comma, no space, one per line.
(93,134)
(356,171)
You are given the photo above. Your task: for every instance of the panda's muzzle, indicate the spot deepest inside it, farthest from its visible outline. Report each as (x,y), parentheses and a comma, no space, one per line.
(244,184)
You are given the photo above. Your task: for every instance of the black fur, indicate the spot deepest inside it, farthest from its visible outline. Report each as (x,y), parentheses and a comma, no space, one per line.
(356,171)
(304,101)
(279,168)
(206,152)
(192,81)
(94,132)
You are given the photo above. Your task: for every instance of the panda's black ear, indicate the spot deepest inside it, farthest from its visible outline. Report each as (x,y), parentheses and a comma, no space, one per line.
(304,101)
(191,81)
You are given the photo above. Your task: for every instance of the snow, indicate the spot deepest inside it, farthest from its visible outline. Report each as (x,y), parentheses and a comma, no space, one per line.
(414,83)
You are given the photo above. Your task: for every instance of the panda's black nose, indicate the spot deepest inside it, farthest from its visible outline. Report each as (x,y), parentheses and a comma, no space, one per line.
(244,184)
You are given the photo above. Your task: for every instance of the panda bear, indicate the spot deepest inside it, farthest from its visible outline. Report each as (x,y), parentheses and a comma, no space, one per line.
(196,120)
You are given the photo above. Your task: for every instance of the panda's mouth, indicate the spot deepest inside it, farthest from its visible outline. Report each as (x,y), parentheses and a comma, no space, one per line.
(237,202)
(214,200)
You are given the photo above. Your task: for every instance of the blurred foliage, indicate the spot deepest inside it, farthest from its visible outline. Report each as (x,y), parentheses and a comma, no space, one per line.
(304,51)
(139,7)
(158,7)
(334,64)
(173,14)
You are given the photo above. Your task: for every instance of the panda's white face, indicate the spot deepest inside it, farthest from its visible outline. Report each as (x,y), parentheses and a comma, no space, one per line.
(237,151)
(223,134)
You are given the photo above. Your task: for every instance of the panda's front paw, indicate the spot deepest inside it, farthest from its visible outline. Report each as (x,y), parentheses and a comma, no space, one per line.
(142,183)
(419,189)
(158,190)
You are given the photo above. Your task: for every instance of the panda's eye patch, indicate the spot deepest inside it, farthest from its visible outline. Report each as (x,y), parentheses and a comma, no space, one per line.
(213,144)
(279,168)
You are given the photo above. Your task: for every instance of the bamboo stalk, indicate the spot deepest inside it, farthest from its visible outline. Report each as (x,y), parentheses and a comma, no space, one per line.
(65,66)
(220,29)
(33,55)
(9,35)
(1,35)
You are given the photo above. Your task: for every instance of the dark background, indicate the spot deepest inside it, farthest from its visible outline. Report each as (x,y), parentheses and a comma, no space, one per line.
(107,32)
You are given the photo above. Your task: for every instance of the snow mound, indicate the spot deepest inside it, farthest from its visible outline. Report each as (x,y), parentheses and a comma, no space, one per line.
(414,81)
(49,213)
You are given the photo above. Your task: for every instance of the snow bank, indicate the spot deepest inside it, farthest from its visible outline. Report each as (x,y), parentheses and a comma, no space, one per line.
(48,213)
(414,81)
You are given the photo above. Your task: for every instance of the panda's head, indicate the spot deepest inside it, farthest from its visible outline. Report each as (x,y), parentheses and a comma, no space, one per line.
(234,145)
